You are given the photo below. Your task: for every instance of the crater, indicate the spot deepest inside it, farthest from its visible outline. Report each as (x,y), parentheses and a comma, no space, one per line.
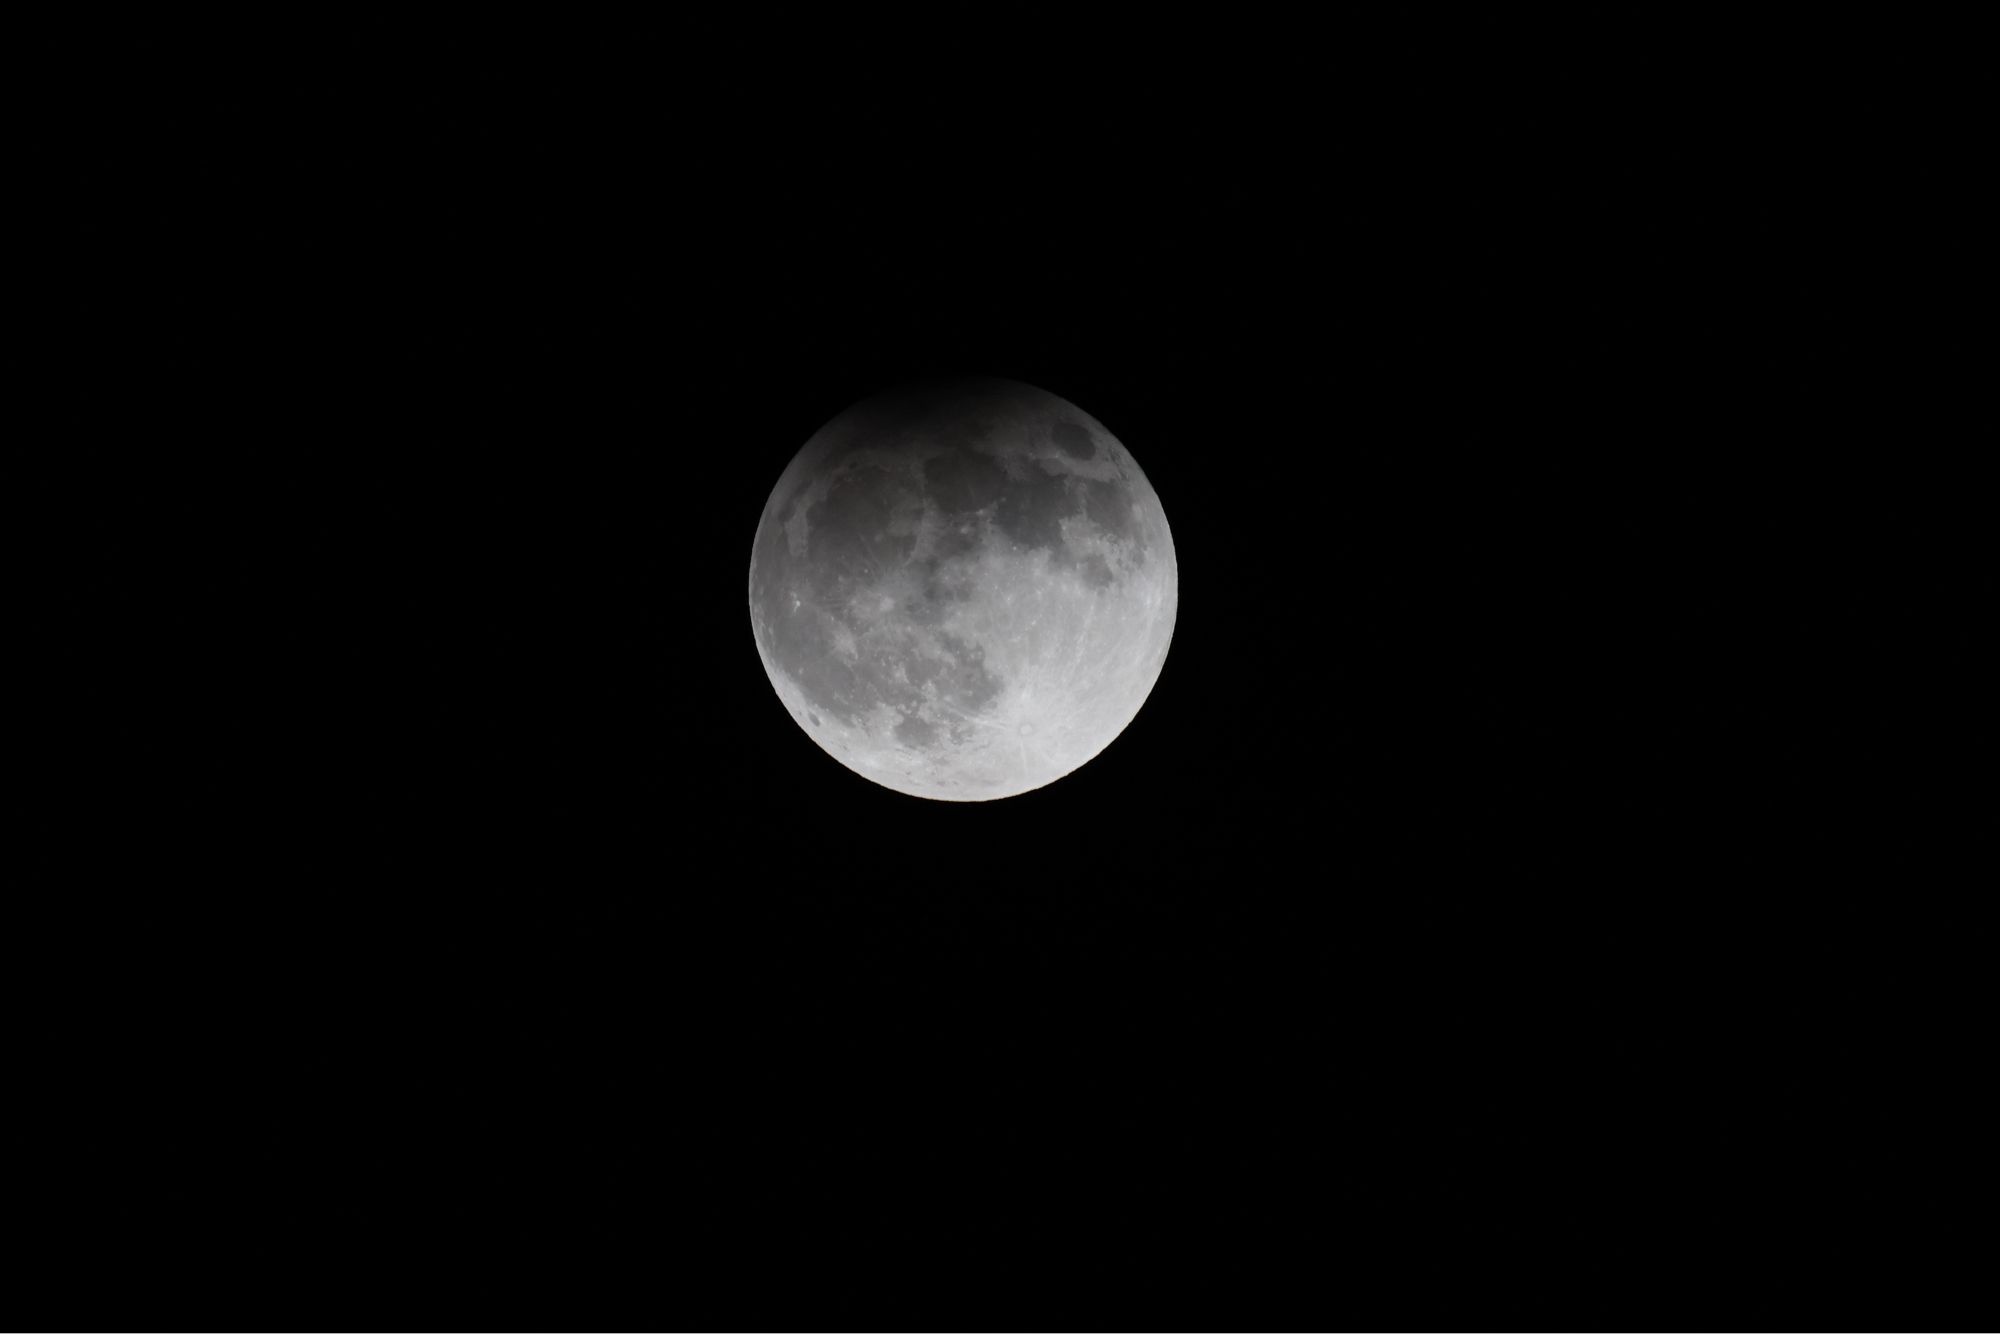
(806,648)
(1096,571)
(1032,510)
(915,732)
(960,539)
(852,534)
(1109,506)
(967,684)
(1073,440)
(961,481)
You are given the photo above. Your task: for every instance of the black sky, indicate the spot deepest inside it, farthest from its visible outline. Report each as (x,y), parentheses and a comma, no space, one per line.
(1397,965)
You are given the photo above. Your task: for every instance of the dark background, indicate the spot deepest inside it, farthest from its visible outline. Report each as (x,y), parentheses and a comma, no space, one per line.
(1416,956)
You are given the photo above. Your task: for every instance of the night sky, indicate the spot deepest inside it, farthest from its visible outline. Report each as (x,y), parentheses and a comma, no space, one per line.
(1397,965)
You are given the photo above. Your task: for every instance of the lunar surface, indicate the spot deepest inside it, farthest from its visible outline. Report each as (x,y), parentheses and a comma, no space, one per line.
(963,590)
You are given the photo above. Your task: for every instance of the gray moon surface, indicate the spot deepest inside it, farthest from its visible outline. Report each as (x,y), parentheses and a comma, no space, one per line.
(963,589)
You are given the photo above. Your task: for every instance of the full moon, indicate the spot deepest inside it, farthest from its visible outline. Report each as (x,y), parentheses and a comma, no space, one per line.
(963,590)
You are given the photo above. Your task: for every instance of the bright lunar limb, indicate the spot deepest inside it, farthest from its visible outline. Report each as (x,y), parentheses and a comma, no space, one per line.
(963,589)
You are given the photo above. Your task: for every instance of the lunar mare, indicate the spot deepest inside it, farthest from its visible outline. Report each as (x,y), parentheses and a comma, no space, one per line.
(963,590)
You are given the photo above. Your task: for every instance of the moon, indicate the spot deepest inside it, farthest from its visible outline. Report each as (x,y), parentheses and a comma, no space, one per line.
(963,589)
